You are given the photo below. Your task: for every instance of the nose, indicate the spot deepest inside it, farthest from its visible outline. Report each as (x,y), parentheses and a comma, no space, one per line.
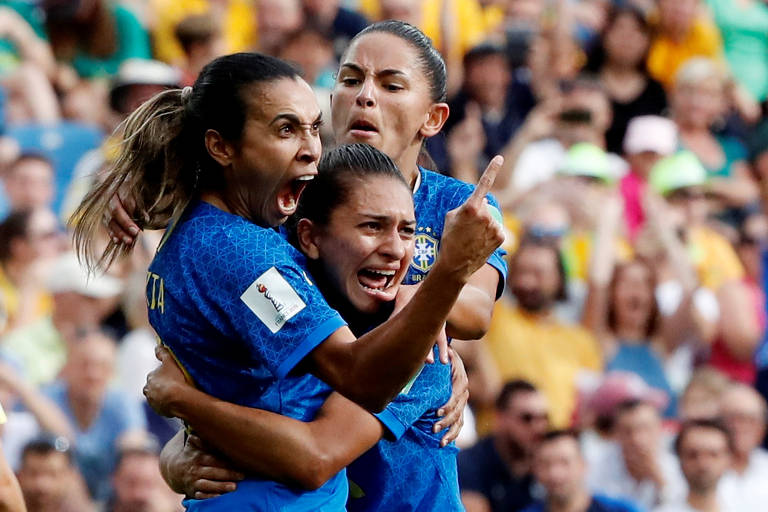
(366,96)
(393,246)
(311,148)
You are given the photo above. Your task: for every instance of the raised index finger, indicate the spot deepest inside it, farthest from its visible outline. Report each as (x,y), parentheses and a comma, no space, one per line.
(485,182)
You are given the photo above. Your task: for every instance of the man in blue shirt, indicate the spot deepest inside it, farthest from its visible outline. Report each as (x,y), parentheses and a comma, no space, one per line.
(560,468)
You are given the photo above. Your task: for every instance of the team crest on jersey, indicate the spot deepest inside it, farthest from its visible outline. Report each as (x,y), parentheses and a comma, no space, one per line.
(425,250)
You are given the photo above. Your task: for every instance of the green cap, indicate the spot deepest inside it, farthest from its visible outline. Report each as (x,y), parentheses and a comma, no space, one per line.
(585,159)
(681,170)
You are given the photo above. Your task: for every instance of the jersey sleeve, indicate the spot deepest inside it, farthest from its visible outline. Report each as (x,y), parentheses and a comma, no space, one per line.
(259,285)
(424,393)
(497,260)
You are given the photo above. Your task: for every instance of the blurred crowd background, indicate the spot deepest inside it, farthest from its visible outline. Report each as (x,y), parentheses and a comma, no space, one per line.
(633,190)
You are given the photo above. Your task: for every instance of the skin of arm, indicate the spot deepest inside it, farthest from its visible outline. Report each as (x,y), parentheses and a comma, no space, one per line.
(470,317)
(738,323)
(295,452)
(475,502)
(300,453)
(11,498)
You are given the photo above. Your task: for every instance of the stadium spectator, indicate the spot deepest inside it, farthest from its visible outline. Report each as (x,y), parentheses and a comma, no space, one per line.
(495,474)
(102,419)
(201,41)
(336,22)
(682,32)
(28,182)
(80,304)
(277,19)
(138,486)
(704,448)
(560,468)
(744,413)
(744,29)
(527,341)
(94,36)
(30,241)
(639,468)
(49,480)
(620,62)
(697,101)
(701,398)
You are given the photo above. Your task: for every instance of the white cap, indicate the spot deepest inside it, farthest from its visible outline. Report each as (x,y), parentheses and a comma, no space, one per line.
(650,133)
(68,275)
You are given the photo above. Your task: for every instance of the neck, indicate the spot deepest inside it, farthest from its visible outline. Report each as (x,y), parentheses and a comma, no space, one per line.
(84,410)
(13,271)
(408,163)
(620,70)
(516,458)
(704,500)
(630,332)
(740,461)
(578,502)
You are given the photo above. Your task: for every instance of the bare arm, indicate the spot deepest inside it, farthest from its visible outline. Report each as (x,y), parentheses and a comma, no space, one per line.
(739,189)
(278,447)
(739,327)
(473,501)
(470,317)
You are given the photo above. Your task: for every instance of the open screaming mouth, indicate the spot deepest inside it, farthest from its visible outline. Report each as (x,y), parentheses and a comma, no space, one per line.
(376,280)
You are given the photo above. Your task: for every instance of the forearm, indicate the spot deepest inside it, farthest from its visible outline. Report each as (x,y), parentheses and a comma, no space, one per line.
(373,370)
(470,318)
(11,498)
(50,418)
(168,457)
(300,453)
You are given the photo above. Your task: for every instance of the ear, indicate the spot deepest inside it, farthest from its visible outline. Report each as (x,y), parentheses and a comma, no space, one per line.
(435,119)
(220,150)
(306,234)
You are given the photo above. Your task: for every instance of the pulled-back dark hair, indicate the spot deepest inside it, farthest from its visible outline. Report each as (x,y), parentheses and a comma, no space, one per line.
(163,161)
(337,173)
(430,60)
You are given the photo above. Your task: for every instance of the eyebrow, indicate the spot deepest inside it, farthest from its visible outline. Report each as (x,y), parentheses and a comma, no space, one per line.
(293,118)
(383,72)
(384,218)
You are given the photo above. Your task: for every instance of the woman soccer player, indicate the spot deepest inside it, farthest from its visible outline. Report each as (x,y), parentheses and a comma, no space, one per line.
(228,159)
(356,226)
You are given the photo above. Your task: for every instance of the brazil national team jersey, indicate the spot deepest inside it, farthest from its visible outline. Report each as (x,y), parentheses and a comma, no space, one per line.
(408,470)
(234,304)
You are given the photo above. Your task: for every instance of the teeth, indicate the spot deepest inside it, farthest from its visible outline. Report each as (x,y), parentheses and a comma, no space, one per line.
(372,289)
(308,177)
(388,273)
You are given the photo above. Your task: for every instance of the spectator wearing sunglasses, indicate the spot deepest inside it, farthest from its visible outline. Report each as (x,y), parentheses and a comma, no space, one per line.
(495,474)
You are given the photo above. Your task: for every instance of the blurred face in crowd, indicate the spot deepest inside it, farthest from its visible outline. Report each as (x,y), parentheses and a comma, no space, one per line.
(523,10)
(29,184)
(626,41)
(753,233)
(524,420)
(90,367)
(704,458)
(698,104)
(367,246)
(487,79)
(560,468)
(633,299)
(276,20)
(677,16)
(138,485)
(311,51)
(43,238)
(688,206)
(382,98)
(642,163)
(744,413)
(403,10)
(44,479)
(585,115)
(535,278)
(638,430)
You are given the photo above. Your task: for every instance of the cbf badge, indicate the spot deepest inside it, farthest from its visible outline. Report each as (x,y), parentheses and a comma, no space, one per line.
(425,250)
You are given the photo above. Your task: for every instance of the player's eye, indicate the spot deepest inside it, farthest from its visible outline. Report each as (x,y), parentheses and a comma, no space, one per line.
(286,129)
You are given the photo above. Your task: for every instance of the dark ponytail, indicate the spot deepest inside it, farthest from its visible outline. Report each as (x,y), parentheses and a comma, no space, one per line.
(163,162)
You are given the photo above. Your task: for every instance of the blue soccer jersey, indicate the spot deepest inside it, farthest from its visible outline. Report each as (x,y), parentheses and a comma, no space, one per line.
(435,196)
(408,470)
(234,304)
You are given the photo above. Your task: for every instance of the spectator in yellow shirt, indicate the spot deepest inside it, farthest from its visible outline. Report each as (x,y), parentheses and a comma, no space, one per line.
(527,341)
(682,32)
